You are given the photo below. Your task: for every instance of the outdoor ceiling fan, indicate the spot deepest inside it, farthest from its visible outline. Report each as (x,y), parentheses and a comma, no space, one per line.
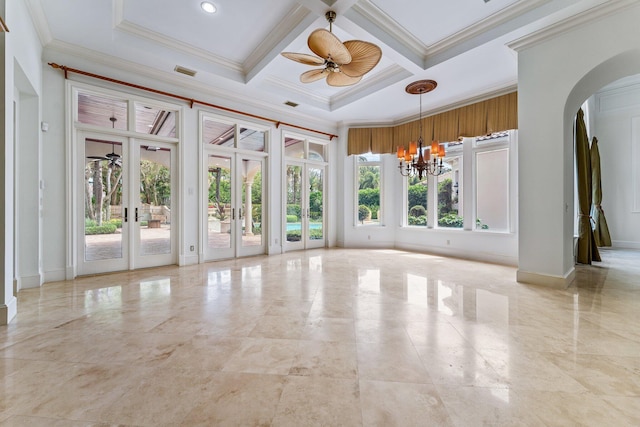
(344,63)
(113,157)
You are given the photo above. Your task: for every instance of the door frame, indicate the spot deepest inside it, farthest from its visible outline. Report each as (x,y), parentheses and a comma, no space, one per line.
(236,249)
(305,241)
(131,258)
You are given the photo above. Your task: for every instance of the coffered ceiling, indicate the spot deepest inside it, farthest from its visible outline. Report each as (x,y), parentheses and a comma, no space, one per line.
(236,51)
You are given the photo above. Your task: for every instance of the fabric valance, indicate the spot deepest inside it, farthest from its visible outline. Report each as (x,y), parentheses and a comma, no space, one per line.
(493,115)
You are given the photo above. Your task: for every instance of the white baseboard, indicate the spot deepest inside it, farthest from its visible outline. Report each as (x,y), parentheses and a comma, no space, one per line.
(622,244)
(54,275)
(8,311)
(556,282)
(188,260)
(27,282)
(456,253)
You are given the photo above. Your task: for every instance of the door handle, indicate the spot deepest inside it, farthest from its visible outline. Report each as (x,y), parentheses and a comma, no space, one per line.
(233,213)
(136,214)
(126,215)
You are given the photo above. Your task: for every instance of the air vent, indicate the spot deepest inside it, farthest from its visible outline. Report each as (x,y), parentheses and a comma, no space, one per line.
(183,70)
(291,104)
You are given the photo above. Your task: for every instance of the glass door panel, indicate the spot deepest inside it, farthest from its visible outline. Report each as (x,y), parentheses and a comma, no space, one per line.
(219,202)
(103,200)
(154,213)
(294,203)
(102,226)
(315,210)
(251,209)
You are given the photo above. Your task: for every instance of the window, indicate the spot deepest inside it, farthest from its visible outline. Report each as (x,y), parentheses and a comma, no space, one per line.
(449,189)
(491,168)
(368,180)
(417,192)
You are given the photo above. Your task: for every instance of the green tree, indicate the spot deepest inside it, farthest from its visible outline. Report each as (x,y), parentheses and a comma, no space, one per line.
(418,194)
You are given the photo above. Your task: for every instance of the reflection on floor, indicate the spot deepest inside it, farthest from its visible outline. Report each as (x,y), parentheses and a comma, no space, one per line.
(327,337)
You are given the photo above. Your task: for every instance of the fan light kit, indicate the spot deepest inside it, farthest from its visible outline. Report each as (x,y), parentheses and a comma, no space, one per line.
(344,63)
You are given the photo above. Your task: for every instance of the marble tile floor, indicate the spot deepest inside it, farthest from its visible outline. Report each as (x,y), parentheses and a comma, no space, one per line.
(331,337)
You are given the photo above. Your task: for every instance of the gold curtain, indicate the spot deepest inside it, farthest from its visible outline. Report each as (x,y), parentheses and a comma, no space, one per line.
(445,126)
(482,118)
(359,141)
(472,120)
(502,113)
(404,133)
(382,140)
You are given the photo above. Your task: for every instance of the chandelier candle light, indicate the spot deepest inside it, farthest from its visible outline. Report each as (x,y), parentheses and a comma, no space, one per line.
(418,160)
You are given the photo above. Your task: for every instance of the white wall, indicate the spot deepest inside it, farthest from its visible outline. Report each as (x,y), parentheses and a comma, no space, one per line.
(22,82)
(617,127)
(557,72)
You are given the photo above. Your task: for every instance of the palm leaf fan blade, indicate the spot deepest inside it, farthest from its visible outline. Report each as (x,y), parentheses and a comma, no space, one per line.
(303,58)
(313,75)
(327,46)
(364,57)
(341,79)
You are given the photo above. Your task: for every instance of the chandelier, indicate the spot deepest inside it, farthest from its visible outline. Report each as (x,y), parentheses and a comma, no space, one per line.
(419,160)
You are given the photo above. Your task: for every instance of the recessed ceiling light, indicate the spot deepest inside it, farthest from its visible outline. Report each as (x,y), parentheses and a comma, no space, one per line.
(208,7)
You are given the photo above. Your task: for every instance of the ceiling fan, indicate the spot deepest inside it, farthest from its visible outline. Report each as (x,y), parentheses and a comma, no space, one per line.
(113,157)
(344,63)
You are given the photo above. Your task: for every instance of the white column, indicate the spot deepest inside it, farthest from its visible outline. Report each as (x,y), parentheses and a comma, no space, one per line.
(8,302)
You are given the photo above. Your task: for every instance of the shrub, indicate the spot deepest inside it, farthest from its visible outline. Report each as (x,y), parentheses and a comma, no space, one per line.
(418,195)
(417,210)
(374,213)
(90,222)
(100,229)
(418,220)
(480,225)
(315,234)
(294,235)
(116,221)
(363,213)
(293,210)
(369,197)
(292,218)
(450,220)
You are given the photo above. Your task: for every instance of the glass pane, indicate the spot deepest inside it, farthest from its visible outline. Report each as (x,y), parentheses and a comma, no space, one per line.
(417,201)
(250,139)
(219,206)
(316,152)
(449,206)
(154,121)
(368,192)
(99,110)
(217,133)
(251,213)
(492,191)
(316,189)
(294,203)
(154,213)
(103,200)
(294,148)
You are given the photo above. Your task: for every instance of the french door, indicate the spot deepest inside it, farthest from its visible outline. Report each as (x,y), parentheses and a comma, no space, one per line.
(305,192)
(127,190)
(234,209)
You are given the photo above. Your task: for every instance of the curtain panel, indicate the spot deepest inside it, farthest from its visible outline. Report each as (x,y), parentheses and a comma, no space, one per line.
(482,118)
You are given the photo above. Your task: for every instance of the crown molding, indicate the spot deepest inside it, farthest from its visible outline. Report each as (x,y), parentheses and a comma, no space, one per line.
(119,23)
(487,24)
(298,93)
(372,84)
(373,20)
(39,20)
(230,98)
(565,25)
(293,24)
